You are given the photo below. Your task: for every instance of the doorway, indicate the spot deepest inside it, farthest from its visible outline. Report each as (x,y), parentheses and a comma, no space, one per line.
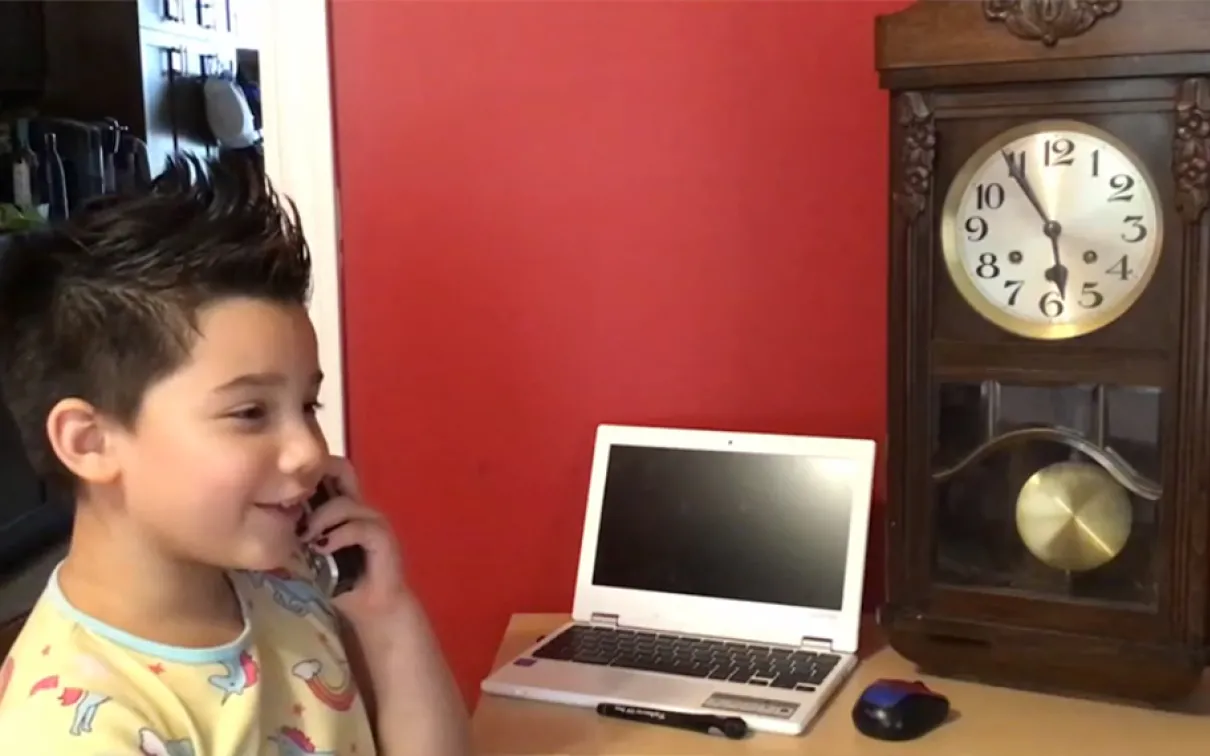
(296,98)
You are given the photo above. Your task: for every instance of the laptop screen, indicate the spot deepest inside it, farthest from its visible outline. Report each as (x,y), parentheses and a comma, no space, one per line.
(766,528)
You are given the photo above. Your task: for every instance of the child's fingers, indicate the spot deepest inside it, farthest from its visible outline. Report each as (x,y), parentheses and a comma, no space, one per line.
(334,513)
(368,534)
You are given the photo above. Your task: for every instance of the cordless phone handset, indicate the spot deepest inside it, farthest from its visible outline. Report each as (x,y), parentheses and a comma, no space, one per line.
(339,571)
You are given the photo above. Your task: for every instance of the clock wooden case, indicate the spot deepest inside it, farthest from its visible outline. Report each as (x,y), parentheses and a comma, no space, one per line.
(1049,342)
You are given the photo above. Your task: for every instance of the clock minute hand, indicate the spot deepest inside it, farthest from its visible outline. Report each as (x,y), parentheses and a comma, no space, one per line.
(1057,273)
(1018,175)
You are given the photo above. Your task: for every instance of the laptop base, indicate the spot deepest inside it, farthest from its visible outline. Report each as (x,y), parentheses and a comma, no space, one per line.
(764,709)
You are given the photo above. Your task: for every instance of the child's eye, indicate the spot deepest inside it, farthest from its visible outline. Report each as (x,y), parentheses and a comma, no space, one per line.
(312,407)
(252,413)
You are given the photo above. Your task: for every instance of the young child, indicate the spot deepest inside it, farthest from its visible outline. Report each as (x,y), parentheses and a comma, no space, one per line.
(157,357)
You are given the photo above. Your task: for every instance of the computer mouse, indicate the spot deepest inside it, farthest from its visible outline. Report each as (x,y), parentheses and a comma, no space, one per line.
(899,710)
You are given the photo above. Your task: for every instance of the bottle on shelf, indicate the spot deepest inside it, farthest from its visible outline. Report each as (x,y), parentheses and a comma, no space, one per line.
(53,179)
(25,170)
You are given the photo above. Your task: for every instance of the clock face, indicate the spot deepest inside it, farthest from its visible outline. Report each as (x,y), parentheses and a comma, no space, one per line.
(1052,230)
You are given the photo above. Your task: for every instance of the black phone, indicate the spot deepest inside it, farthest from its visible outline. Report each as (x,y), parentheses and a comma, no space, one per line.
(338,572)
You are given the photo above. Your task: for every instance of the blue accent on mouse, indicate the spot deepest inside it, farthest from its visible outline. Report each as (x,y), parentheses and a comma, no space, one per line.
(885,694)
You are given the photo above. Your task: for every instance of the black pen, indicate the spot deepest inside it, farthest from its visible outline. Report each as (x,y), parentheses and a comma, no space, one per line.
(707,724)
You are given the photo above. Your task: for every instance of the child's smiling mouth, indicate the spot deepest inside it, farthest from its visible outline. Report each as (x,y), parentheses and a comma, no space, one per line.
(291,509)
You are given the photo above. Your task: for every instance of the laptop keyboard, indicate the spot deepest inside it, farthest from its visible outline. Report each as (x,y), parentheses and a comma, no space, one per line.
(753,664)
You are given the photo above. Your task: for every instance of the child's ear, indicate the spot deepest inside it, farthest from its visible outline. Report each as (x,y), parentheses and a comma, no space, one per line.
(80,437)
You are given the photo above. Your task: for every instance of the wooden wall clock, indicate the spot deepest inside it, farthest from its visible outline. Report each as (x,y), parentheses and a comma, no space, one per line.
(1049,342)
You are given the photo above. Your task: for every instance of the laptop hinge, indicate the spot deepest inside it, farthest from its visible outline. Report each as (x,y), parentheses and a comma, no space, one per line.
(815,644)
(604,619)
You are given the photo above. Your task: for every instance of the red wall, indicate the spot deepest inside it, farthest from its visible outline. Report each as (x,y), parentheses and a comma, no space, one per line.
(561,214)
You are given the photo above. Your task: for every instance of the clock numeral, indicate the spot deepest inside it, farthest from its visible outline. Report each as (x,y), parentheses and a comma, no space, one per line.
(1121,268)
(1018,159)
(1139,231)
(1121,185)
(976,228)
(1090,298)
(1059,151)
(989,196)
(987,267)
(1016,289)
(1051,304)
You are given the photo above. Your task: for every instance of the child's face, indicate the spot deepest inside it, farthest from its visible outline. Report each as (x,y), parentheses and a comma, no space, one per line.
(221,444)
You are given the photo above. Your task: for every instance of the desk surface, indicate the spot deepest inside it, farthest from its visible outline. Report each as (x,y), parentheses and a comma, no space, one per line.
(990,721)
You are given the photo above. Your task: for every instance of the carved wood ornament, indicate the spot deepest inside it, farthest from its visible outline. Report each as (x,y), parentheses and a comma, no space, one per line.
(1049,20)
(1191,149)
(916,156)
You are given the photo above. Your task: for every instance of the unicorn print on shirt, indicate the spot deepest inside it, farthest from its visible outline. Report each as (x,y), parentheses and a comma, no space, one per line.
(240,674)
(293,594)
(151,744)
(293,742)
(86,704)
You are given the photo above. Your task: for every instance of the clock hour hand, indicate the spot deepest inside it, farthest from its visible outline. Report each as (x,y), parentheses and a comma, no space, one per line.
(1057,273)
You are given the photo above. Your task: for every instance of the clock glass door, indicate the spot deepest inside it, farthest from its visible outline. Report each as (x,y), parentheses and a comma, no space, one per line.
(1048,492)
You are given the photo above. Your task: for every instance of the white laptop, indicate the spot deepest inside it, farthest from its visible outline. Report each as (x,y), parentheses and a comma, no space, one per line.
(720,573)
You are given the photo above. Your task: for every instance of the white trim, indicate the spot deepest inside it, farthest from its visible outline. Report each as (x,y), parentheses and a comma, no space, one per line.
(299,157)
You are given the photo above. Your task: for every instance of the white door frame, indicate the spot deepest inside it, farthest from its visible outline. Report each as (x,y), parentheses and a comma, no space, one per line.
(296,99)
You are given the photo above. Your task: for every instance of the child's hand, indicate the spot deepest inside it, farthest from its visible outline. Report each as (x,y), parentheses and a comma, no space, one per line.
(345,521)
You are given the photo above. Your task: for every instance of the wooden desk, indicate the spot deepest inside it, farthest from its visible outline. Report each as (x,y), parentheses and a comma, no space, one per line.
(989,722)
